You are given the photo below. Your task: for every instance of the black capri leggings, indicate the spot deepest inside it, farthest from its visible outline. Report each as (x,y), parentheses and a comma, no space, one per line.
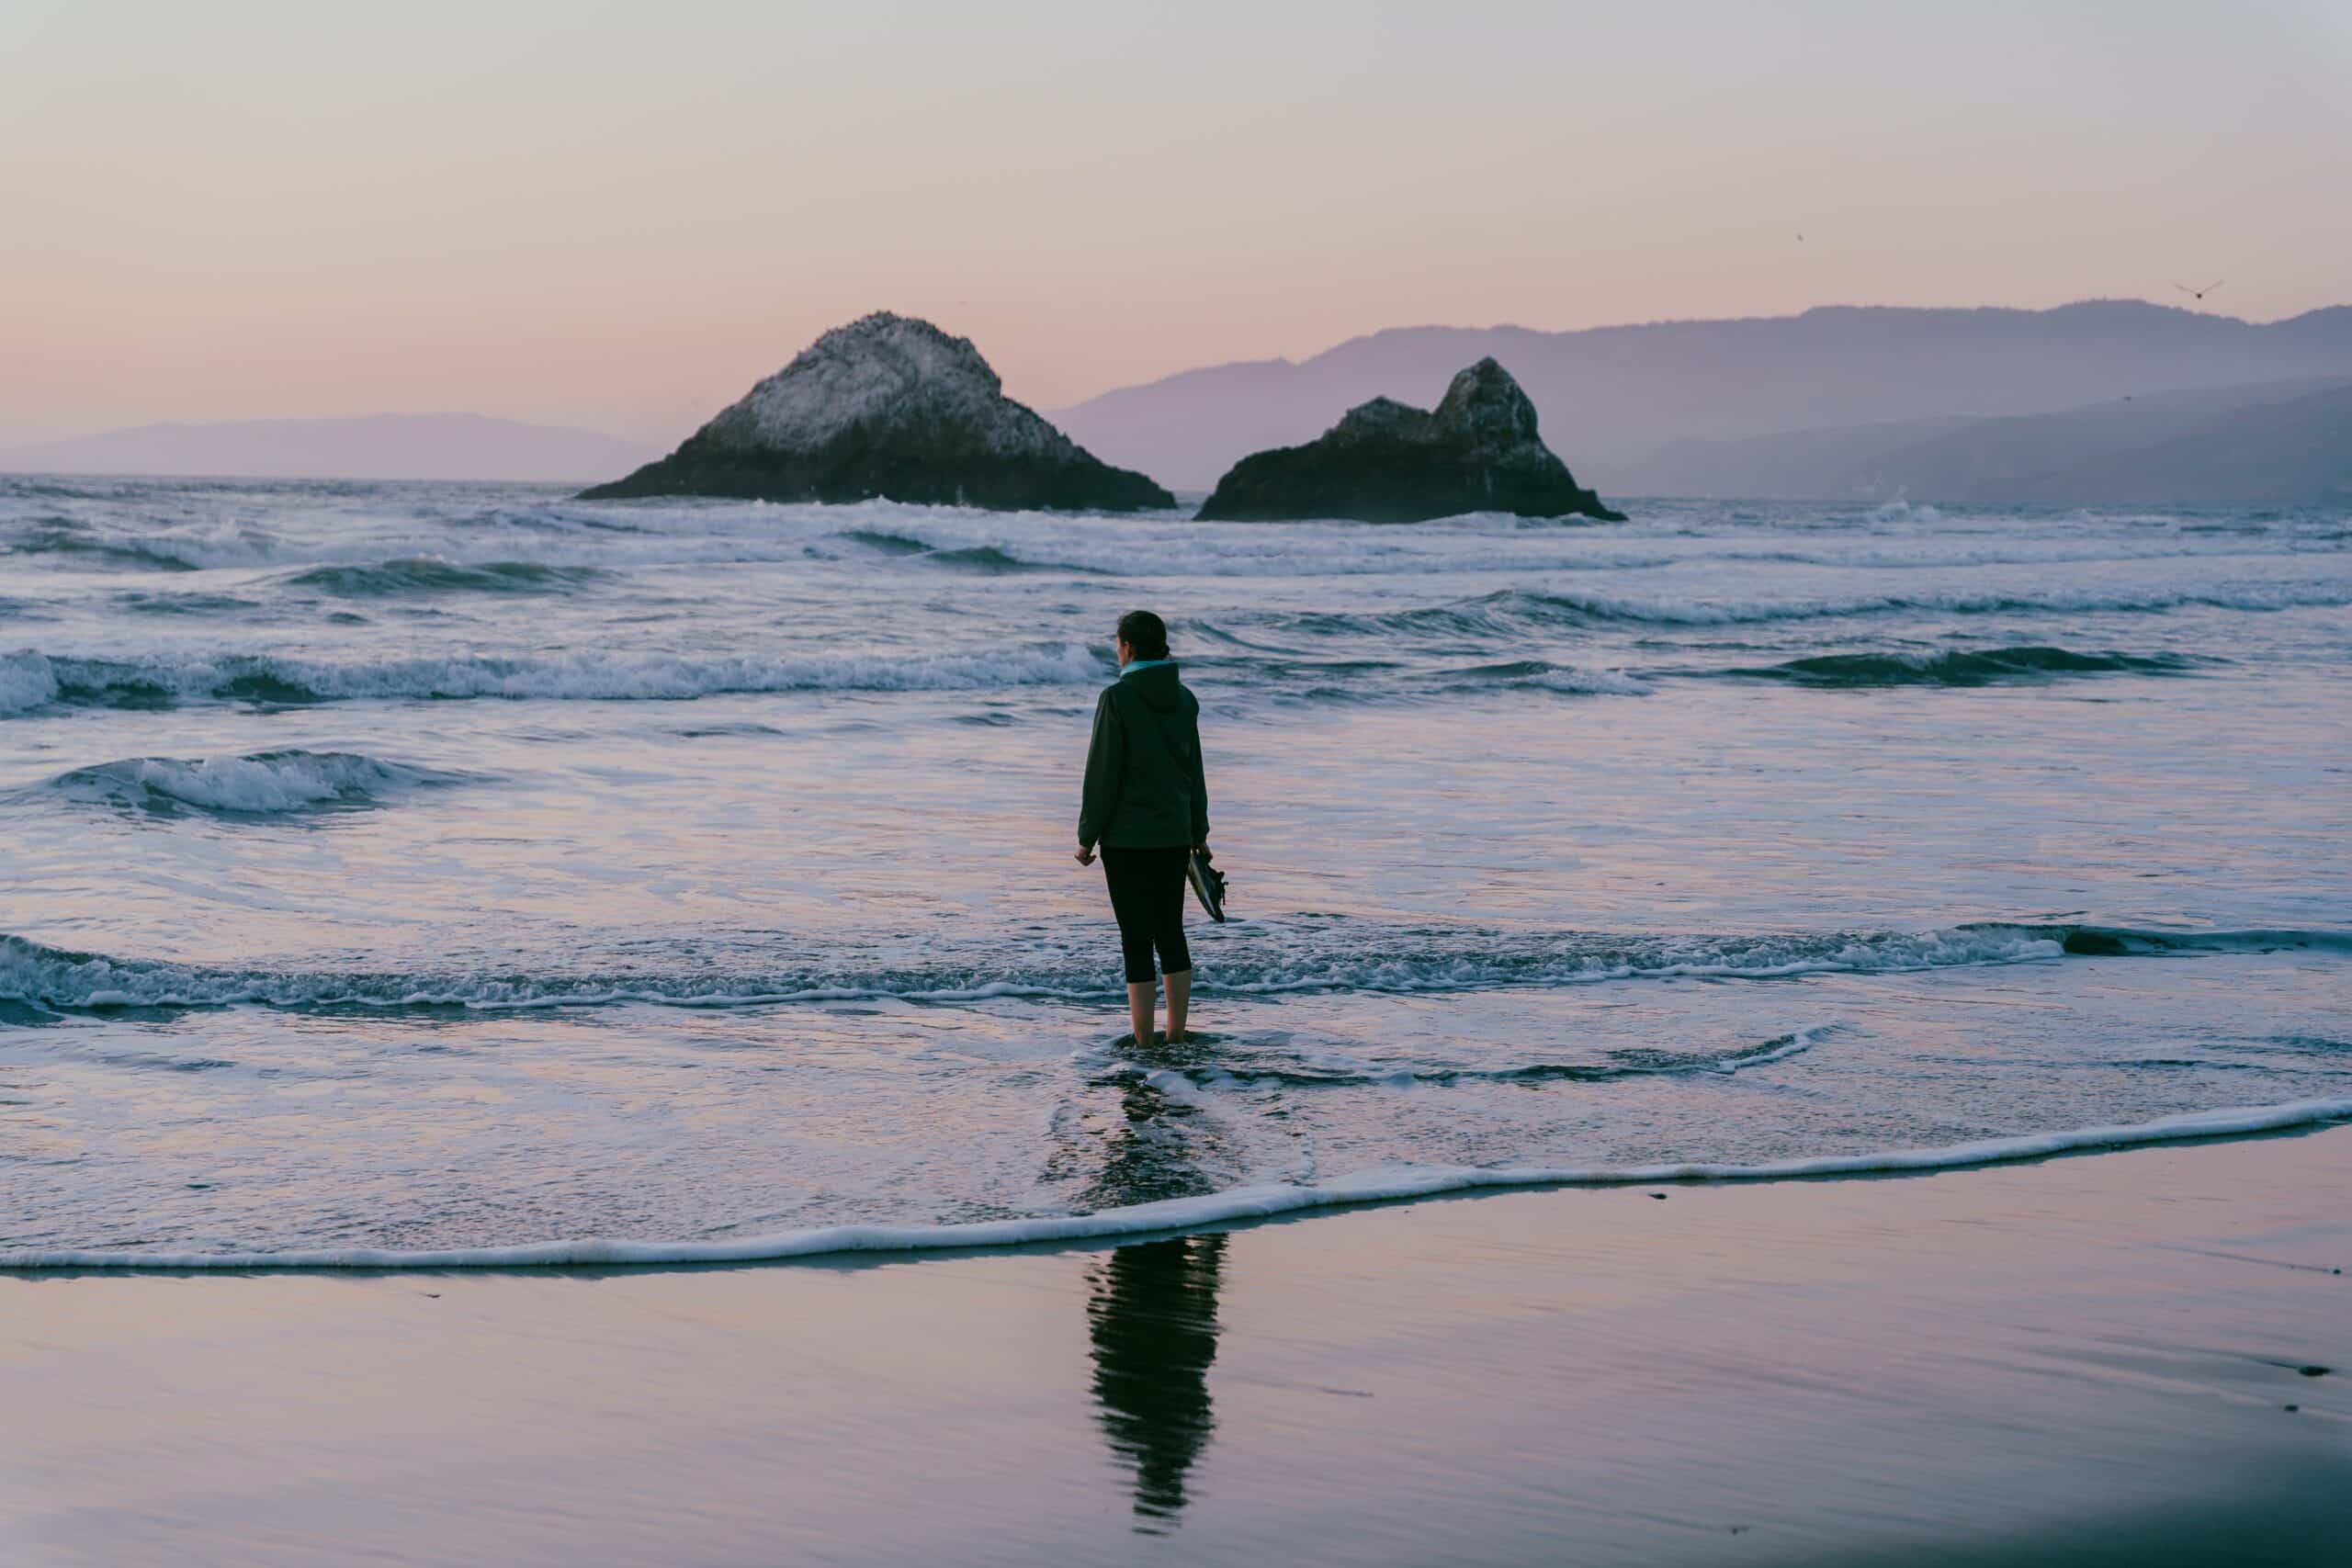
(1148,895)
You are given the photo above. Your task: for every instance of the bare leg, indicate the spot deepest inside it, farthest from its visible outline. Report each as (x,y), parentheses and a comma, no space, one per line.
(1179,1001)
(1139,998)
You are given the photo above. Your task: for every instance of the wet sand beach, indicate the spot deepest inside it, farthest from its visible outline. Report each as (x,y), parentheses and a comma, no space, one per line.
(2137,1357)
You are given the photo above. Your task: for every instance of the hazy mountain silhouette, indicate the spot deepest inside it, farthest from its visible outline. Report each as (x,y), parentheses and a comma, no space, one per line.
(2281,443)
(1611,398)
(375,446)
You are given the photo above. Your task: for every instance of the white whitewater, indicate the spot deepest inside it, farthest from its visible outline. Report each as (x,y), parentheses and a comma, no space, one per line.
(1227,1208)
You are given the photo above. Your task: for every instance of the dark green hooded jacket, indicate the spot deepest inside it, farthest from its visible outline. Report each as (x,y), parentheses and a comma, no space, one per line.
(1145,789)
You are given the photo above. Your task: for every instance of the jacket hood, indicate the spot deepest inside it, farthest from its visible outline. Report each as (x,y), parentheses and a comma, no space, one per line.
(1157,686)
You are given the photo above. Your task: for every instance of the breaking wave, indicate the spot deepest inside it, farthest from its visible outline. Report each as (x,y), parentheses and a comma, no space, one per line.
(986,559)
(184,604)
(1389,1184)
(30,680)
(1535,674)
(1978,667)
(1306,957)
(1511,613)
(266,783)
(431,574)
(989,558)
(888,543)
(2132,941)
(1583,609)
(66,538)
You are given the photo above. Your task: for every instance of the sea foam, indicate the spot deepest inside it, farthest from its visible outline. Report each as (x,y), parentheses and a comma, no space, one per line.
(1264,958)
(265,784)
(1388,1184)
(1296,958)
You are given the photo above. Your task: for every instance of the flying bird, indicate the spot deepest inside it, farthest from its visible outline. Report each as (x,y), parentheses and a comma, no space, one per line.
(2199,293)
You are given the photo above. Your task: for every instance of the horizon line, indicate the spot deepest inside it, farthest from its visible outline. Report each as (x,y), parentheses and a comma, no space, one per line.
(21,443)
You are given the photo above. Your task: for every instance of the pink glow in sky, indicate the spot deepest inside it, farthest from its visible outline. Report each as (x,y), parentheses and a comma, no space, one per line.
(619,215)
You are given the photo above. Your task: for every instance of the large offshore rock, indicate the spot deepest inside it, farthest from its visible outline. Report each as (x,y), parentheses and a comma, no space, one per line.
(889,407)
(1386,463)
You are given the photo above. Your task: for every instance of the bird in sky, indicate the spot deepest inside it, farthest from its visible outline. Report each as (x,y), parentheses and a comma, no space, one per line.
(2199,293)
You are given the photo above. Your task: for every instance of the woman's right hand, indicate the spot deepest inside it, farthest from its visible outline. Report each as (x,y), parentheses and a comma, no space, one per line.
(1086,855)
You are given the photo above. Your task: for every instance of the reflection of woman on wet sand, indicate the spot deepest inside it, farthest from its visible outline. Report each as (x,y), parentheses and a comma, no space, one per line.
(1153,1319)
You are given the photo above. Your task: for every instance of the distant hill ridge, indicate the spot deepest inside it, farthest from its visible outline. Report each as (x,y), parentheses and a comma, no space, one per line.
(2279,443)
(1611,398)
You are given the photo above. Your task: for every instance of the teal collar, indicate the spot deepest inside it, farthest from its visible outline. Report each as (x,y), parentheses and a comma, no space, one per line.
(1126,669)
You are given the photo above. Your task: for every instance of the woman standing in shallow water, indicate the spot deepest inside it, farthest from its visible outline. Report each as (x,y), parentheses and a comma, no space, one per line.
(1146,803)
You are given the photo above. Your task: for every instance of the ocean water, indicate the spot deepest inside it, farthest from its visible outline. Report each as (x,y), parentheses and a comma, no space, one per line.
(466,873)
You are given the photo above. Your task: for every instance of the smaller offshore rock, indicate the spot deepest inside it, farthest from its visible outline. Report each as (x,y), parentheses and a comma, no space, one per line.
(1386,463)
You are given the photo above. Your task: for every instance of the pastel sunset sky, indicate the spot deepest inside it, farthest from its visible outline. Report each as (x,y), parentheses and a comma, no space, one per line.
(621,215)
